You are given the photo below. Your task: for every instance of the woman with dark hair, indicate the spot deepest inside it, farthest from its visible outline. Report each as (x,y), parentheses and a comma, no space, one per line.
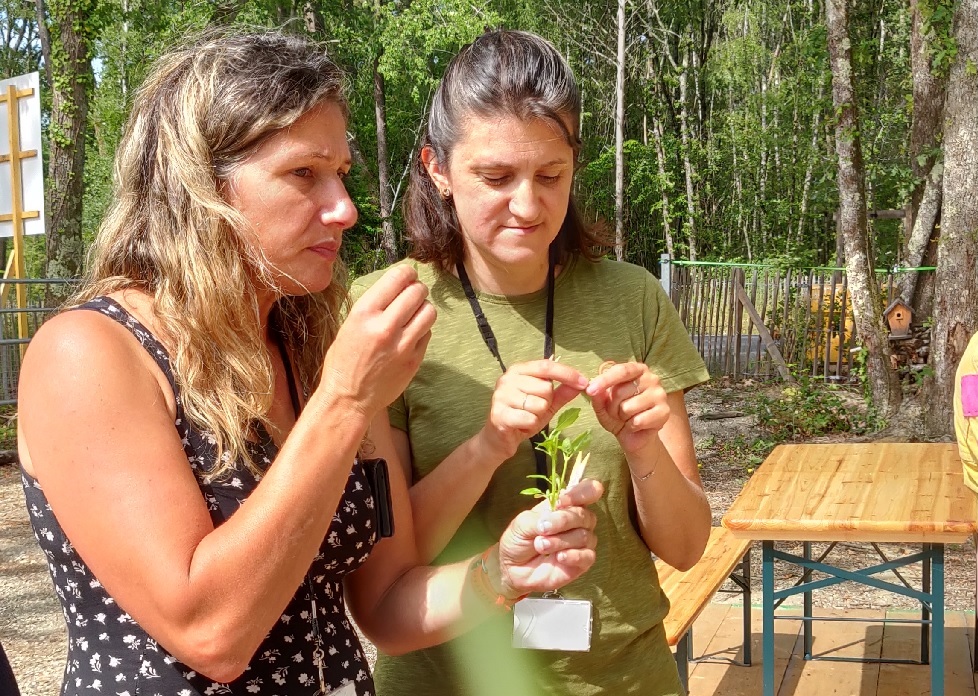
(190,430)
(527,313)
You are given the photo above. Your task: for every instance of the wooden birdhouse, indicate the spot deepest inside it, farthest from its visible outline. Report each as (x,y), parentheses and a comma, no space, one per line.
(898,316)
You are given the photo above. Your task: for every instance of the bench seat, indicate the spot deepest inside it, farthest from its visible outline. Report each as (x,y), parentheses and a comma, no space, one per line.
(690,591)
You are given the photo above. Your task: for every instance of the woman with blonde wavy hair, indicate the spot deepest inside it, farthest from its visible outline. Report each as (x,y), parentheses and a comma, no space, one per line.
(189,429)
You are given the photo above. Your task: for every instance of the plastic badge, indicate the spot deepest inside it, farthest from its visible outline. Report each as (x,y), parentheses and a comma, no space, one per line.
(969,395)
(552,624)
(348,689)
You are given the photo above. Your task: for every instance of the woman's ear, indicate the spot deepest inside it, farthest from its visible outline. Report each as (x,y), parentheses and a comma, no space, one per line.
(438,174)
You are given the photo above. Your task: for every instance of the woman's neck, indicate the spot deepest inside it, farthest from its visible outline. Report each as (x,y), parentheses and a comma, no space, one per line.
(506,279)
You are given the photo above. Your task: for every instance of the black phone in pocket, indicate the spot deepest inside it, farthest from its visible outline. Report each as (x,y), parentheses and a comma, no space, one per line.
(379,481)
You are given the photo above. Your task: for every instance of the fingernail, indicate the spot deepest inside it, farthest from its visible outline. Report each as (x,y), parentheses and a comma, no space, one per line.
(544,526)
(545,544)
(583,381)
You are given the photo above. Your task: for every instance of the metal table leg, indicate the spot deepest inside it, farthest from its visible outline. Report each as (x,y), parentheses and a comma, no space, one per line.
(937,616)
(807,604)
(767,630)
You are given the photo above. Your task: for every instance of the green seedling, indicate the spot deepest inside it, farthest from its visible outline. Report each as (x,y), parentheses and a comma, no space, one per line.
(560,450)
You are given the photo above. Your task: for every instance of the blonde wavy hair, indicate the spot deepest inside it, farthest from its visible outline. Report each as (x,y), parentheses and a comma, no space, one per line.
(202,111)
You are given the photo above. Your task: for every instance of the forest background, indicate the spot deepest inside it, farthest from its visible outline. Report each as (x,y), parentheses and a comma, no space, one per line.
(739,130)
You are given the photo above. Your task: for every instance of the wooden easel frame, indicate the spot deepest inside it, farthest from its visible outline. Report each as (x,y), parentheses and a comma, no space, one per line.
(16,266)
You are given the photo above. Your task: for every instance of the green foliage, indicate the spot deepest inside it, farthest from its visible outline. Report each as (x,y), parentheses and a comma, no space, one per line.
(758,92)
(559,450)
(8,427)
(748,452)
(810,408)
(938,21)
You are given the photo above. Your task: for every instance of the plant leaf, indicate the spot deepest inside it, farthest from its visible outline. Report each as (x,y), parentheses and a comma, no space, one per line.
(580,442)
(538,476)
(532,491)
(567,418)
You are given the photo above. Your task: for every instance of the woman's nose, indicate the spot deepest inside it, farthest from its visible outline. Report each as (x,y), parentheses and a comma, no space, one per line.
(338,208)
(524,202)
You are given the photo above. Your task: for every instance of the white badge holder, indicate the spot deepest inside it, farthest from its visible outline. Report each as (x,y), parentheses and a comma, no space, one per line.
(552,623)
(348,689)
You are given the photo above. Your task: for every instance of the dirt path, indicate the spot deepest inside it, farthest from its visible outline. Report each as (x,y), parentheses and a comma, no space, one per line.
(32,629)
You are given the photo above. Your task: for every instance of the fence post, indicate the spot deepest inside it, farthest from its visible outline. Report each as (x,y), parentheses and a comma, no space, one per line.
(665,271)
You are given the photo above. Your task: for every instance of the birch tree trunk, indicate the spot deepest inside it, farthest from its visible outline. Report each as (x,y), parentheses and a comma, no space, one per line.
(687,162)
(885,389)
(809,171)
(388,238)
(620,137)
(660,156)
(956,297)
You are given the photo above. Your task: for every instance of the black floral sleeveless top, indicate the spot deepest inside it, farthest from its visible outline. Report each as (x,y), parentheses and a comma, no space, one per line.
(109,653)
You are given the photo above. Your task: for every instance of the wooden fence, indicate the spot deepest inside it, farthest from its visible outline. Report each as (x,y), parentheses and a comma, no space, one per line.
(768,322)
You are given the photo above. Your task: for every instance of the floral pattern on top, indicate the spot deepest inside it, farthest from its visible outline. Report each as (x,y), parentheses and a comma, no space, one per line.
(110,654)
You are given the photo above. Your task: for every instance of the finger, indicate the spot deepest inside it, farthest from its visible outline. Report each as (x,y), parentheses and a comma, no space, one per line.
(581,559)
(406,304)
(620,373)
(562,396)
(557,522)
(585,493)
(653,402)
(552,371)
(387,287)
(648,418)
(578,538)
(420,324)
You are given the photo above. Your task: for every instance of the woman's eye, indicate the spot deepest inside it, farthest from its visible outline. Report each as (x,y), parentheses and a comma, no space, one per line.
(549,179)
(495,180)
(302,172)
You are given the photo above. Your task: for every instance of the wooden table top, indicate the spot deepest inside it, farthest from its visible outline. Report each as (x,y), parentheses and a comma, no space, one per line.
(887,491)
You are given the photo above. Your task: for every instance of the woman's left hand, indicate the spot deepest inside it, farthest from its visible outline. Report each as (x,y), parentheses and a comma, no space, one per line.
(630,403)
(544,549)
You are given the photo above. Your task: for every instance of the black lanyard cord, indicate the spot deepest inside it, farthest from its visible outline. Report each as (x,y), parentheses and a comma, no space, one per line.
(490,340)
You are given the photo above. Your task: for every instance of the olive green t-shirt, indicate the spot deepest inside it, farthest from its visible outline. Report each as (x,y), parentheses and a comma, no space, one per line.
(603,310)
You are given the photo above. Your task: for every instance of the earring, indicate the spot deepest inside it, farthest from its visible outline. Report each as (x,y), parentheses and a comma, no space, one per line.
(446,193)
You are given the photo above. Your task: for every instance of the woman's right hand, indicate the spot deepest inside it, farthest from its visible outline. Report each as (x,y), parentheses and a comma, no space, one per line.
(524,402)
(381,343)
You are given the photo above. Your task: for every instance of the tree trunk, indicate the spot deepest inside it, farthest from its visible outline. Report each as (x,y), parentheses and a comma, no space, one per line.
(956,300)
(687,161)
(620,137)
(925,134)
(867,307)
(809,171)
(660,156)
(388,238)
(927,210)
(69,31)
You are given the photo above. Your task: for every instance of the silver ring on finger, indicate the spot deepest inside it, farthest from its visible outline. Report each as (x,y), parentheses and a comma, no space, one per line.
(523,406)
(638,388)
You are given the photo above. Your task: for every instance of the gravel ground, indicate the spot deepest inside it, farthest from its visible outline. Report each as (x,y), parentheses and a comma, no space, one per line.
(32,629)
(33,634)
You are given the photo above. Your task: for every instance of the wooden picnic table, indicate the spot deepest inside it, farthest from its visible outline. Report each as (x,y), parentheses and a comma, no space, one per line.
(866,492)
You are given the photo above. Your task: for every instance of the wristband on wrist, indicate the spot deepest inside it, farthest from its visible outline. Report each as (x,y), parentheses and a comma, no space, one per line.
(479,573)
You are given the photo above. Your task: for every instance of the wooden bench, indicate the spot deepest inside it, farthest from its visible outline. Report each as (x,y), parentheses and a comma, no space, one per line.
(689,592)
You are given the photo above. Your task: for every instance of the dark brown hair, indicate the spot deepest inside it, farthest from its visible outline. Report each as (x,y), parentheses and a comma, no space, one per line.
(515,73)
